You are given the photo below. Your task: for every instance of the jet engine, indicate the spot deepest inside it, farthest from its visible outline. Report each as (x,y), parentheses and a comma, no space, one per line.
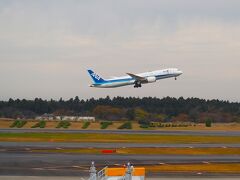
(151,79)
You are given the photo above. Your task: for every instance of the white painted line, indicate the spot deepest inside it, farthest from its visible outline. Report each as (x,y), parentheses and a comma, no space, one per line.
(161,163)
(76,166)
(38,168)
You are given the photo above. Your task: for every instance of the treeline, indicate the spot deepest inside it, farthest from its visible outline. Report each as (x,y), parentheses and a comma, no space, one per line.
(130,108)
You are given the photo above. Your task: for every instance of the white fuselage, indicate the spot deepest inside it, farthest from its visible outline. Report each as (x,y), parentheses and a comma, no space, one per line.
(151,77)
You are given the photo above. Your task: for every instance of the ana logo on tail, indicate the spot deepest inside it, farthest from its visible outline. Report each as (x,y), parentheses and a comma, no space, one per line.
(95,76)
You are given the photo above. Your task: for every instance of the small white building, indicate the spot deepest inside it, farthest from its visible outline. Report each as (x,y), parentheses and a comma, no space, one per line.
(78,118)
(45,117)
(50,117)
(86,118)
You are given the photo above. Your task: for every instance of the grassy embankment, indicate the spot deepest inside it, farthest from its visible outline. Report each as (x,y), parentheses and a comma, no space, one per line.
(6,123)
(162,151)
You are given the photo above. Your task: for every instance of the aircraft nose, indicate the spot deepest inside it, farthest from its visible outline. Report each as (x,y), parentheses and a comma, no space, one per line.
(180,72)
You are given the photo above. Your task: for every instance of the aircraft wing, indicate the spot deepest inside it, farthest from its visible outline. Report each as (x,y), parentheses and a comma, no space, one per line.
(136,77)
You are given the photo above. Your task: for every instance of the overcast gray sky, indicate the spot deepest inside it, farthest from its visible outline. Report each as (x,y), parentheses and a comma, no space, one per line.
(46,47)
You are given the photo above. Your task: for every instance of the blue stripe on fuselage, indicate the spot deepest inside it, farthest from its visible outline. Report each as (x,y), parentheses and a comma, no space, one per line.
(115,81)
(131,79)
(164,76)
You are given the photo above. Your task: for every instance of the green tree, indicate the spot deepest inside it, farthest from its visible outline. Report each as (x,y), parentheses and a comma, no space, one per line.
(194,114)
(130,114)
(140,114)
(108,112)
(208,122)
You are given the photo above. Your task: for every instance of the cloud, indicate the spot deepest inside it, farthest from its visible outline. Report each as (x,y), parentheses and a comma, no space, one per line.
(52,43)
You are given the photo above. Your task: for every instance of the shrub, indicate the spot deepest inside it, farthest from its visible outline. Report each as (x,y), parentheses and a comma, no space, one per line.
(105,124)
(85,125)
(21,124)
(63,124)
(167,125)
(208,122)
(40,124)
(59,125)
(161,125)
(144,126)
(13,124)
(126,125)
(66,124)
(143,121)
(18,124)
(152,124)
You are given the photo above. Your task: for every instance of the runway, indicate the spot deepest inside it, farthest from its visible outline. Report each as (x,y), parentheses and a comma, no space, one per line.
(163,132)
(26,163)
(17,159)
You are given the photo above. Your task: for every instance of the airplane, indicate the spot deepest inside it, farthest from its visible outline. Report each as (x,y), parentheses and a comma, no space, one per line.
(133,79)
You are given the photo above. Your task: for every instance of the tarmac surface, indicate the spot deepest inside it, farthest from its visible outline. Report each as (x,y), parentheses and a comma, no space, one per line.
(19,162)
(163,132)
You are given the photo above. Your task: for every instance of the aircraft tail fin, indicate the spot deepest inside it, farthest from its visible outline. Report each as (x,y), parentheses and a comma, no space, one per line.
(96,78)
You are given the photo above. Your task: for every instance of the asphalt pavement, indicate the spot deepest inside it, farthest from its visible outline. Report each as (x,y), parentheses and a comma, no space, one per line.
(163,132)
(28,163)
(17,159)
(109,145)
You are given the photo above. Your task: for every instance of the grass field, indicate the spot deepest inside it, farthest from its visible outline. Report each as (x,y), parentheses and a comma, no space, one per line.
(160,151)
(185,151)
(211,168)
(114,138)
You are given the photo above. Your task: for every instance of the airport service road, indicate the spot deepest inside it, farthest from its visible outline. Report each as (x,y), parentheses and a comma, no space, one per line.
(28,163)
(18,145)
(163,132)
